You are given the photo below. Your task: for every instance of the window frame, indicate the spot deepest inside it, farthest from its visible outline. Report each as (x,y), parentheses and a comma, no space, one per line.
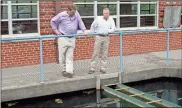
(10,19)
(181,16)
(86,3)
(117,16)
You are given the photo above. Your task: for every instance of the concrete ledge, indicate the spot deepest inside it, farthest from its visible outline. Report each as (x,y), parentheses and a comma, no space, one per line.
(151,74)
(84,82)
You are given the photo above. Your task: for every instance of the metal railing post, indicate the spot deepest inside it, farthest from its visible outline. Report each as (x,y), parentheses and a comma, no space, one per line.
(41,61)
(121,56)
(121,52)
(167,47)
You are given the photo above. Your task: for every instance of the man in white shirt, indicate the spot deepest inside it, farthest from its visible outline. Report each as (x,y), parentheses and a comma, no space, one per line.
(105,25)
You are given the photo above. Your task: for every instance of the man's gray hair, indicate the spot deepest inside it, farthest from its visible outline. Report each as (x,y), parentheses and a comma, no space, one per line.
(106,9)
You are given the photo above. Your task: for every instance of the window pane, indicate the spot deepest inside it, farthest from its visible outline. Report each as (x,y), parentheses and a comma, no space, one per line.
(115,22)
(87,22)
(86,10)
(112,8)
(181,15)
(128,9)
(106,0)
(24,1)
(3,2)
(148,1)
(147,8)
(24,11)
(83,1)
(20,27)
(147,21)
(4,12)
(128,22)
(4,28)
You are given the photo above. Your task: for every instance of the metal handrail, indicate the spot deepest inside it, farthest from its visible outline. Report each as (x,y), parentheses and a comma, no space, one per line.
(82,35)
(40,38)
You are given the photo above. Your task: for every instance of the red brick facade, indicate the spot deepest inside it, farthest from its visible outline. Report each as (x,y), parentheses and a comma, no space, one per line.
(24,53)
(47,11)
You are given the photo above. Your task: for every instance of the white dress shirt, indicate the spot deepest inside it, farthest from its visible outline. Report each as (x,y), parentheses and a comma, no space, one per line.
(101,25)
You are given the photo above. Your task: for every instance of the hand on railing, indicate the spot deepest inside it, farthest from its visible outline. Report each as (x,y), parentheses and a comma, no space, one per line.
(86,32)
(56,39)
(106,33)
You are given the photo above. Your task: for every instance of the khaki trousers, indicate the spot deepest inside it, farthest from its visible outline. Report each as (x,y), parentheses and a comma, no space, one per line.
(66,48)
(101,43)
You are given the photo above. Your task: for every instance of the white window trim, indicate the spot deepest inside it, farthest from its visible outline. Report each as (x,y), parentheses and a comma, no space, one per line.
(4,4)
(87,16)
(148,2)
(147,14)
(24,4)
(105,3)
(181,15)
(38,16)
(138,14)
(157,17)
(21,35)
(135,28)
(84,3)
(24,19)
(128,2)
(95,9)
(10,20)
(4,20)
(128,15)
(117,16)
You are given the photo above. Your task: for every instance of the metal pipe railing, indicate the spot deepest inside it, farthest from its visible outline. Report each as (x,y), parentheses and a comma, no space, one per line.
(40,38)
(167,47)
(41,62)
(81,35)
(121,51)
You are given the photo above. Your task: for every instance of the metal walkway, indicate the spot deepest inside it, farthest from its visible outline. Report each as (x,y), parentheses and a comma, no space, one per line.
(130,97)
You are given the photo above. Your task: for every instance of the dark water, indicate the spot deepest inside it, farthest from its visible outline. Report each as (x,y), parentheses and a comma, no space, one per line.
(68,100)
(167,88)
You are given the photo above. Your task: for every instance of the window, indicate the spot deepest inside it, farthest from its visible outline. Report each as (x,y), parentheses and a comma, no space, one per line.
(181,15)
(4,18)
(138,14)
(86,12)
(148,14)
(112,8)
(129,14)
(23,18)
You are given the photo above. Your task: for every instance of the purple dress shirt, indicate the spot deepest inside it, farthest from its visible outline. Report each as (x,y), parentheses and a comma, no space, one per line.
(63,23)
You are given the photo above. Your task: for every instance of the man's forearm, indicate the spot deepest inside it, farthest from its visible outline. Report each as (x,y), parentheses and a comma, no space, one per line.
(54,27)
(56,31)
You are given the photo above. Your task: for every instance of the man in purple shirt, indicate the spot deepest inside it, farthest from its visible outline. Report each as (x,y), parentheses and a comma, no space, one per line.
(64,23)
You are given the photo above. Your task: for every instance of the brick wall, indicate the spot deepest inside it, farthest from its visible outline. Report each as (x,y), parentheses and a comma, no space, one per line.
(27,52)
(145,42)
(24,53)
(47,11)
